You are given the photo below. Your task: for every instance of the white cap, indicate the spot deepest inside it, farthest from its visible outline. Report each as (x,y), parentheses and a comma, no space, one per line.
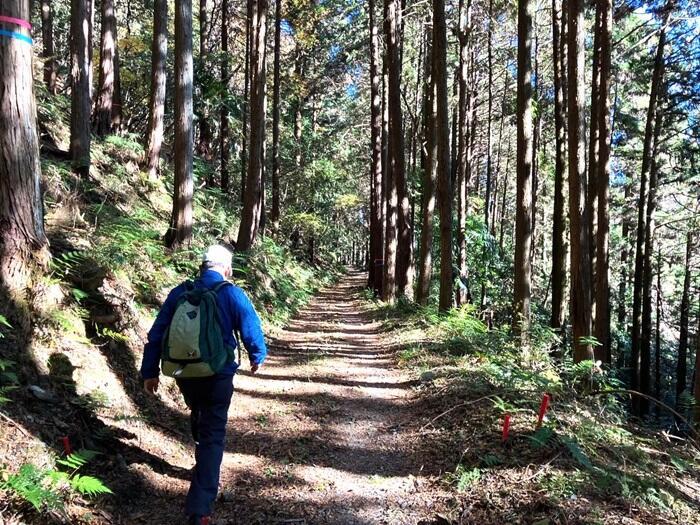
(217,255)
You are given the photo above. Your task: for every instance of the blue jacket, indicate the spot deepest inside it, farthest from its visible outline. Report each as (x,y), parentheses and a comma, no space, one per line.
(236,312)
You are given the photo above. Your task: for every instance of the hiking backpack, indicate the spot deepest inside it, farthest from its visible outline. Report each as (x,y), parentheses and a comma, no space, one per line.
(193,344)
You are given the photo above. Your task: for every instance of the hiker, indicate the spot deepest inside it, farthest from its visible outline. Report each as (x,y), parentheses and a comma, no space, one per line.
(204,366)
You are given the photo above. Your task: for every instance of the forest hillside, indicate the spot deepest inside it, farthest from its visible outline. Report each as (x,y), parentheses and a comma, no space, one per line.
(470,230)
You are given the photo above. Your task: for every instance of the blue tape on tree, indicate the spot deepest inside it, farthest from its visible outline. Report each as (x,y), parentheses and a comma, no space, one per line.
(18,36)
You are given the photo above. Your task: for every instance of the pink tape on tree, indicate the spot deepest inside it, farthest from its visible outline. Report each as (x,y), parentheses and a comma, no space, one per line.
(17,21)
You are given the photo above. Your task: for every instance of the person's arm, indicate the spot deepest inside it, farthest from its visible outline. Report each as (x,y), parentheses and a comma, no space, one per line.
(150,364)
(247,323)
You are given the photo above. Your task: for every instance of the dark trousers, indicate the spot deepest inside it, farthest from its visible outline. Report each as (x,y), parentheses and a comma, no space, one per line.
(208,399)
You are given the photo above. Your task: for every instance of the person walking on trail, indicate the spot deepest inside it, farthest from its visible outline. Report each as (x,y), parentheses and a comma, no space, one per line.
(193,340)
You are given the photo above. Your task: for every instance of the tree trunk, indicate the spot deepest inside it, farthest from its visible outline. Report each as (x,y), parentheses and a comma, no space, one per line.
(250,220)
(180,231)
(647,277)
(624,266)
(392,102)
(80,45)
(224,132)
(377,197)
(205,133)
(23,244)
(464,144)
(404,251)
(558,216)
(108,48)
(425,261)
(442,127)
(593,151)
(697,372)
(580,237)
(602,287)
(246,91)
(159,51)
(657,331)
(523,214)
(275,212)
(489,52)
(682,365)
(50,65)
(657,78)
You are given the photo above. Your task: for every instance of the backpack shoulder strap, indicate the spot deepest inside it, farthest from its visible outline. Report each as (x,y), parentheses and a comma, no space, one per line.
(221,285)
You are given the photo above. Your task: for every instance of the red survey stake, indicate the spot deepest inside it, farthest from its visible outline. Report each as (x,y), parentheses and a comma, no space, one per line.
(66,445)
(506,427)
(543,409)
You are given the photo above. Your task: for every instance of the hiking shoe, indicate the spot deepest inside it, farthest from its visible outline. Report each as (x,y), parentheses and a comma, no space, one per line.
(200,520)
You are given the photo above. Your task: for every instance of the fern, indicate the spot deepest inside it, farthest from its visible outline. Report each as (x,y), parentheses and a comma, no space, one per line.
(88,485)
(35,486)
(77,459)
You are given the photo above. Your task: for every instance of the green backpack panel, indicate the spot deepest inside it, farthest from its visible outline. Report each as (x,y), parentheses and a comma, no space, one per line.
(193,345)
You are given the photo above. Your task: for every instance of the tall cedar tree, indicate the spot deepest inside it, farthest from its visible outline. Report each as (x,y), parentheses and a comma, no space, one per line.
(250,220)
(392,101)
(275,211)
(159,51)
(647,276)
(425,266)
(464,126)
(558,217)
(377,196)
(647,152)
(81,96)
(224,131)
(404,250)
(682,365)
(602,288)
(489,113)
(23,244)
(523,213)
(108,66)
(50,63)
(205,132)
(180,232)
(442,133)
(246,91)
(580,253)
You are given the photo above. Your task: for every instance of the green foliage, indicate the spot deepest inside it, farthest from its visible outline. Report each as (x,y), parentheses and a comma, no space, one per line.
(48,489)
(464,478)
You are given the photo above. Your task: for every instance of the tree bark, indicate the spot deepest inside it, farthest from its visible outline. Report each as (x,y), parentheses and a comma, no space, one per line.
(442,127)
(224,132)
(593,154)
(275,212)
(392,102)
(108,48)
(657,79)
(464,144)
(377,197)
(48,53)
(205,133)
(159,51)
(558,216)
(425,261)
(489,110)
(523,214)
(580,253)
(23,244)
(250,220)
(657,331)
(647,277)
(180,232)
(246,91)
(80,44)
(682,365)
(404,251)
(602,287)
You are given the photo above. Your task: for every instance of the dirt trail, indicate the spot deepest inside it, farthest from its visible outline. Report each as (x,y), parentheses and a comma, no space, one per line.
(315,437)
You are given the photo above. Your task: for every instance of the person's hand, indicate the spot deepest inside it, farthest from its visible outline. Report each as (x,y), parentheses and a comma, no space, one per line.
(151,385)
(254,368)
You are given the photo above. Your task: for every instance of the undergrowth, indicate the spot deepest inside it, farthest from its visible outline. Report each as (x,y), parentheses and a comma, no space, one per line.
(587,448)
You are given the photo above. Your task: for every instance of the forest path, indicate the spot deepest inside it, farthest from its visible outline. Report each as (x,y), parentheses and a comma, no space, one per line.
(315,437)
